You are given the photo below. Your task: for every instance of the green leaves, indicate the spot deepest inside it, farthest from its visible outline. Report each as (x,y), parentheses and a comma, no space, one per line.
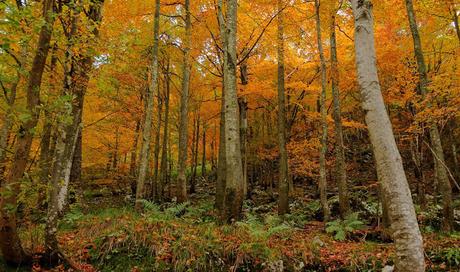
(342,228)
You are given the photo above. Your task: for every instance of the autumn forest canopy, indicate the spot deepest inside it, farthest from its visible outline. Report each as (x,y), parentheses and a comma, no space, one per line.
(226,135)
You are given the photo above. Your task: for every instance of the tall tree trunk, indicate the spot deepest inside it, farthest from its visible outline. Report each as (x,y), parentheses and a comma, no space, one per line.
(243,107)
(10,243)
(221,163)
(147,128)
(133,156)
(435,139)
(283,176)
(323,110)
(156,153)
(405,230)
(233,200)
(203,154)
(195,141)
(181,190)
(341,172)
(7,120)
(76,83)
(164,149)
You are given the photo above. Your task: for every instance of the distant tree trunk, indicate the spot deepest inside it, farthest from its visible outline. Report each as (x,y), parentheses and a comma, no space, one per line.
(181,186)
(132,165)
(405,230)
(115,151)
(10,243)
(341,171)
(417,159)
(283,182)
(195,141)
(203,154)
(435,138)
(323,110)
(164,149)
(221,163)
(233,200)
(147,128)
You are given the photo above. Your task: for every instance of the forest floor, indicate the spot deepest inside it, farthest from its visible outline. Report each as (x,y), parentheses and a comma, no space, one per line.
(106,234)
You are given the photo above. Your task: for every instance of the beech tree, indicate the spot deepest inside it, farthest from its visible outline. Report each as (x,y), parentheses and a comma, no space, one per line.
(390,171)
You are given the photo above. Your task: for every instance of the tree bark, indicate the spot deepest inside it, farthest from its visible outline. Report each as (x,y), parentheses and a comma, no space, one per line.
(75,85)
(164,149)
(194,152)
(435,139)
(341,172)
(10,243)
(221,164)
(233,200)
(203,154)
(322,155)
(405,230)
(147,128)
(283,175)
(156,153)
(181,190)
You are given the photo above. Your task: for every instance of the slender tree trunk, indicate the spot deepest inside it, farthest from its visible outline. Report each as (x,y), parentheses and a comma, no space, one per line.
(147,128)
(233,200)
(435,138)
(115,151)
(164,149)
(220,182)
(133,157)
(7,122)
(77,78)
(243,107)
(405,230)
(341,172)
(283,179)
(203,153)
(323,110)
(221,164)
(10,243)
(181,190)
(195,141)
(156,153)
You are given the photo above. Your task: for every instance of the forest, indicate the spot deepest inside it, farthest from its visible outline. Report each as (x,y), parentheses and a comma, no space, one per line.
(229,135)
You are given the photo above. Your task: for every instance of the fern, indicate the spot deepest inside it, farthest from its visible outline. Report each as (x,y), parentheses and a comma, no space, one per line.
(342,228)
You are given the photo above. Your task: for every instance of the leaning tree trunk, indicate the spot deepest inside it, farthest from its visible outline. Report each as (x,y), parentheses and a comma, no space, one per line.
(323,110)
(10,243)
(233,199)
(341,171)
(396,192)
(283,181)
(147,128)
(435,139)
(181,190)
